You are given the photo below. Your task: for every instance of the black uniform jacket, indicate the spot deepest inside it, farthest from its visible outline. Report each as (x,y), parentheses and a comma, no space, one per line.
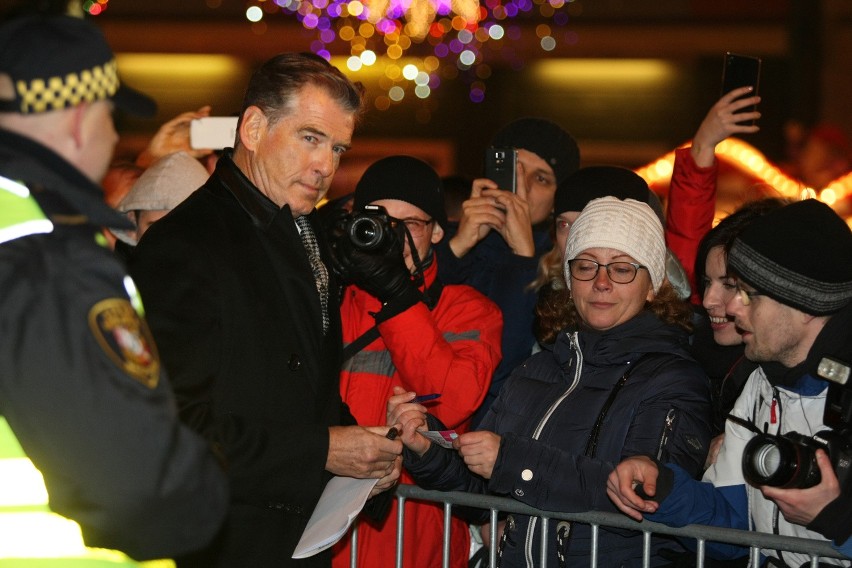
(80,381)
(232,302)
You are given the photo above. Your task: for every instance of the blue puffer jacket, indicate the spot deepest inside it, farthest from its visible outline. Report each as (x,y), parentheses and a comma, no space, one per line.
(546,413)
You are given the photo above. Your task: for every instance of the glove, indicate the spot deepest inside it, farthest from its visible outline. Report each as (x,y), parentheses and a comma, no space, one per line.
(382,274)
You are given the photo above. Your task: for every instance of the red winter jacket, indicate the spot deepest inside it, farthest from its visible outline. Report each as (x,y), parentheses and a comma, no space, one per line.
(452,350)
(691,209)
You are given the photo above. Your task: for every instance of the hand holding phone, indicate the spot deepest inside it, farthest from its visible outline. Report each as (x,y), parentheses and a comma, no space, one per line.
(741,71)
(501,166)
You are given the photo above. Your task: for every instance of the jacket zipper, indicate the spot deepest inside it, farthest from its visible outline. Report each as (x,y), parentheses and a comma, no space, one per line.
(667,430)
(542,423)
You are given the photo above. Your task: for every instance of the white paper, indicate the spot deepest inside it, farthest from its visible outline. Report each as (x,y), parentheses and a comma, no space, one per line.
(340,502)
(443,438)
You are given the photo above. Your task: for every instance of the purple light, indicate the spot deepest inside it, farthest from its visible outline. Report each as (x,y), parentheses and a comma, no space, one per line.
(434,81)
(317,46)
(456,46)
(511,10)
(560,18)
(310,21)
(477,95)
(324,53)
(441,50)
(327,36)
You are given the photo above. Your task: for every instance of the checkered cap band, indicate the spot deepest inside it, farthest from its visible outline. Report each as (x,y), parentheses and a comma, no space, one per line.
(55,93)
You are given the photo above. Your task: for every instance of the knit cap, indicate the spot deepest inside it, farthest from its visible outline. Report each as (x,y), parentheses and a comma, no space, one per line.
(544,138)
(628,226)
(404,178)
(800,255)
(598,181)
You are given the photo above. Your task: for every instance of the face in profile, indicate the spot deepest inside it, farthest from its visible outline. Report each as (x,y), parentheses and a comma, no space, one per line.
(601,302)
(719,288)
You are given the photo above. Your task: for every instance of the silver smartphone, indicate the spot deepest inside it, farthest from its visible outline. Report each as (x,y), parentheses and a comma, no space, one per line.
(213,132)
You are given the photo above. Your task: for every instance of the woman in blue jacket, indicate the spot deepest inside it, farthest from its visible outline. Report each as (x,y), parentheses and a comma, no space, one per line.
(620,363)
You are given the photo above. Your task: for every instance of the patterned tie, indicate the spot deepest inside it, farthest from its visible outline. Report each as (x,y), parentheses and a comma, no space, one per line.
(309,239)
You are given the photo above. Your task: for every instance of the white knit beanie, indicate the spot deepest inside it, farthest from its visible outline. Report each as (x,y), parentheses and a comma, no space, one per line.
(628,226)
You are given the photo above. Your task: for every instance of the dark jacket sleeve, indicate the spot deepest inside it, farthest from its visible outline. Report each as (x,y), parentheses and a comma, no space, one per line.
(668,416)
(82,388)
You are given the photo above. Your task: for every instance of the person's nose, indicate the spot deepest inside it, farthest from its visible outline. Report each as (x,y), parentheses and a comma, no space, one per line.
(602,281)
(326,163)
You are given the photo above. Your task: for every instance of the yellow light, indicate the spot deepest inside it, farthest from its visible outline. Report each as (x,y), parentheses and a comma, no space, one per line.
(588,72)
(828,196)
(355,8)
(410,72)
(346,33)
(394,52)
(366,30)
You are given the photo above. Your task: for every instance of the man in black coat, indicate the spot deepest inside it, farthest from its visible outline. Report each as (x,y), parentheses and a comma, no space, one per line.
(249,334)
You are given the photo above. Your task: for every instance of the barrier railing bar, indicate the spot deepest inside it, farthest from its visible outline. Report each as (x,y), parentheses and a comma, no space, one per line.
(754,540)
(448,511)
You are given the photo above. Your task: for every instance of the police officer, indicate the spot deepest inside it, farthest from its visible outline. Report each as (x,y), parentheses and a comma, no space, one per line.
(83,397)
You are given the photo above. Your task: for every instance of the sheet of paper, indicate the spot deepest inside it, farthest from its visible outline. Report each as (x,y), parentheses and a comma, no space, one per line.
(339,504)
(443,438)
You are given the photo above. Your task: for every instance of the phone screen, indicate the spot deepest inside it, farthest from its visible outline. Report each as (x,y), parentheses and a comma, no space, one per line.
(501,167)
(741,71)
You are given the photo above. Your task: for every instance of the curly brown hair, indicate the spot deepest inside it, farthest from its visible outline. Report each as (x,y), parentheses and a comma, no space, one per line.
(555,311)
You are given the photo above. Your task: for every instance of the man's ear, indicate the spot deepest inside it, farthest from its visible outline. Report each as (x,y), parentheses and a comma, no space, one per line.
(437,233)
(252,127)
(78,119)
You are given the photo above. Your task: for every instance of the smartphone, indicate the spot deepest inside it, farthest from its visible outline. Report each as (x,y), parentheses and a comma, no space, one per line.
(741,71)
(213,132)
(501,165)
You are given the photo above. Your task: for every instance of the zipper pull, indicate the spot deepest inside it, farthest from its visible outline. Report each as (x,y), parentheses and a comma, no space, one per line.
(773,414)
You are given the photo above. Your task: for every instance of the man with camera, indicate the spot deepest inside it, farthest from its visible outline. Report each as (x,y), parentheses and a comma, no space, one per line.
(404,330)
(794,310)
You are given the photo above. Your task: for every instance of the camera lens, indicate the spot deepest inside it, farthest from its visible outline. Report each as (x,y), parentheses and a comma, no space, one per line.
(787,461)
(366,232)
(767,460)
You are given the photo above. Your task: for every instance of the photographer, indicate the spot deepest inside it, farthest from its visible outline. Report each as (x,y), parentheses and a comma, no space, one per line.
(794,269)
(402,328)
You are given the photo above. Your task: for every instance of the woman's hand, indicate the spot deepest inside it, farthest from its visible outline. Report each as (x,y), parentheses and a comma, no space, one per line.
(410,417)
(723,120)
(479,451)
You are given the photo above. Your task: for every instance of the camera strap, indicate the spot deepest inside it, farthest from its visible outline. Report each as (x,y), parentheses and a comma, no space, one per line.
(433,293)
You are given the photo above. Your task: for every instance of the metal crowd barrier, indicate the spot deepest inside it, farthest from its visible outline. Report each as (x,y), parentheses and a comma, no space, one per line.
(702,534)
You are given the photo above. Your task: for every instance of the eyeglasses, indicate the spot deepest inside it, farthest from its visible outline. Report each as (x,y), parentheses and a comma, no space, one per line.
(746,296)
(619,272)
(417,227)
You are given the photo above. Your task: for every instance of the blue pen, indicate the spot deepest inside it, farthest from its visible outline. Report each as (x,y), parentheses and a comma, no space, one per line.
(426,397)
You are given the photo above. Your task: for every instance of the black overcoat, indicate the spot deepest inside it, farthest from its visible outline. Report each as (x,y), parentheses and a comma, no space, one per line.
(232,303)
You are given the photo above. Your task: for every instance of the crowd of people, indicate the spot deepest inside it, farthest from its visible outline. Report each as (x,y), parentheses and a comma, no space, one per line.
(194,347)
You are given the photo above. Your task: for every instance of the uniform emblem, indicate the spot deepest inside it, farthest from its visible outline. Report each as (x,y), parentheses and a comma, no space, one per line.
(126,339)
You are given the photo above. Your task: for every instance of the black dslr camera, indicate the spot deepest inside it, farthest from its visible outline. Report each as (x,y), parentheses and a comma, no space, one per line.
(369,230)
(789,460)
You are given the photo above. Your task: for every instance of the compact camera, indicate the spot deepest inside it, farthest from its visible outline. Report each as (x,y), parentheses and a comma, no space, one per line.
(789,460)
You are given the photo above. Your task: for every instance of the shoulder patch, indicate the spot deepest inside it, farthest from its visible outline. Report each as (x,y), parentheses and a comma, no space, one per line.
(126,340)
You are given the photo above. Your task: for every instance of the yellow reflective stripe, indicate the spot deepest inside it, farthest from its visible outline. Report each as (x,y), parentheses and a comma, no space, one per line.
(20,215)
(30,533)
(22,485)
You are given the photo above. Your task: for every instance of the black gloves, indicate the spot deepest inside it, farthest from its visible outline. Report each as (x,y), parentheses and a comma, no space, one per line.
(380,271)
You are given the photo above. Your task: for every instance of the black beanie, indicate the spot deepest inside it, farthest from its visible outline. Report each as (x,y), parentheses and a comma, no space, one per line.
(404,178)
(598,181)
(799,255)
(546,139)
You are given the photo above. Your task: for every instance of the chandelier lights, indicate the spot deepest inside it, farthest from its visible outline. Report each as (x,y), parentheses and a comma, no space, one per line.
(419,43)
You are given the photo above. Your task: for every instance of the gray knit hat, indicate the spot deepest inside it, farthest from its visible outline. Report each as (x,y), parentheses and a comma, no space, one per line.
(628,226)
(799,255)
